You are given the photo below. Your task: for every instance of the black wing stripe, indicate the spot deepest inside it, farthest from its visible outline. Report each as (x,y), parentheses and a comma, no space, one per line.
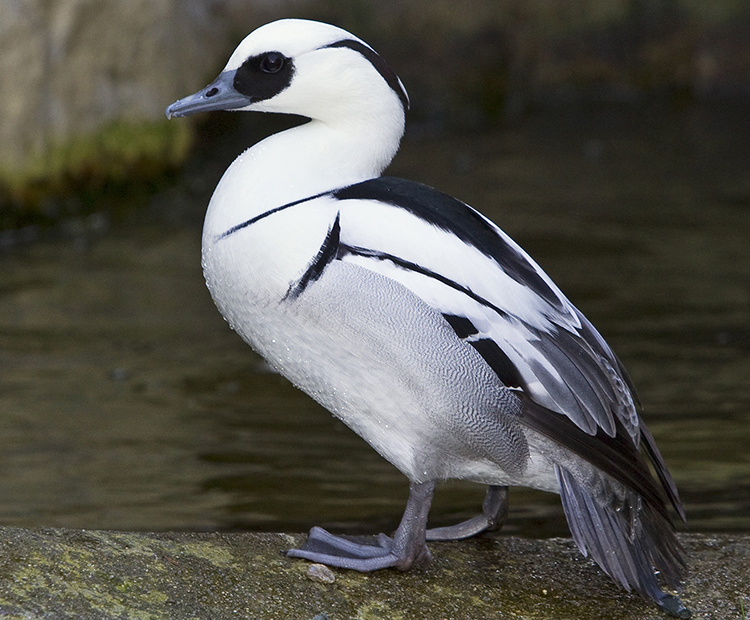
(410,266)
(490,351)
(461,325)
(325,255)
(451,215)
(498,361)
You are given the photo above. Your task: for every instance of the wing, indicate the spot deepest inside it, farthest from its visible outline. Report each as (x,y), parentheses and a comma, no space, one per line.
(493,294)
(499,301)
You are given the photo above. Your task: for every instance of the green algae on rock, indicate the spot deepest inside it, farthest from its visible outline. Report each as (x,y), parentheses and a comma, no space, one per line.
(119,153)
(97,575)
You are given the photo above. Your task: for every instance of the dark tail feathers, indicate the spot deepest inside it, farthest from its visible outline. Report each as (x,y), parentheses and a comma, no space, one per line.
(627,544)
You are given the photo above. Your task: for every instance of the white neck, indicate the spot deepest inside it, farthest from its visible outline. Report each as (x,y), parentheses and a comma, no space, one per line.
(301,162)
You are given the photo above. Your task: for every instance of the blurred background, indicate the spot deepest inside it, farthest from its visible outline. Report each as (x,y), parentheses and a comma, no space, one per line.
(610,138)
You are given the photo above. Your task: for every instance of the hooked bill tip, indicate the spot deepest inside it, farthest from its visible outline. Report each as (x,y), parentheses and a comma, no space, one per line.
(169,111)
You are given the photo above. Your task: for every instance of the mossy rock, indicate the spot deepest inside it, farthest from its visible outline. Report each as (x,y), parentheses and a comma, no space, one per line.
(89,575)
(120,154)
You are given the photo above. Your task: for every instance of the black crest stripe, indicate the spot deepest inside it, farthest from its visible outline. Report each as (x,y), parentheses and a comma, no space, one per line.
(389,75)
(327,252)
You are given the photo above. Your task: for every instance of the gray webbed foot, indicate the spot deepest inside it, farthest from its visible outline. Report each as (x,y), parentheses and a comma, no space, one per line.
(407,548)
(494,513)
(325,548)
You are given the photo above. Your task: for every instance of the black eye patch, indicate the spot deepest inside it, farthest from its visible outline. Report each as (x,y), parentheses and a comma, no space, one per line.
(264,76)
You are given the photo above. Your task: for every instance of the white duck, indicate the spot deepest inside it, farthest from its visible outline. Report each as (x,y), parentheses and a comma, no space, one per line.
(417,321)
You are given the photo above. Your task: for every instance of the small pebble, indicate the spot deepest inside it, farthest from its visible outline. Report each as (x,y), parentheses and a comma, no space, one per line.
(320,573)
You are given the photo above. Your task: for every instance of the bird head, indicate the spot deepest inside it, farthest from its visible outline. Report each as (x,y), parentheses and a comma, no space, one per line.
(296,66)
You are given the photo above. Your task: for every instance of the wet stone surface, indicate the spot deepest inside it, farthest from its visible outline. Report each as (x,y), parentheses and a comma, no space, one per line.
(101,575)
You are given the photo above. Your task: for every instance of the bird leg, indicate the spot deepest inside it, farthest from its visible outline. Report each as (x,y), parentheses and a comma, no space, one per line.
(407,548)
(494,513)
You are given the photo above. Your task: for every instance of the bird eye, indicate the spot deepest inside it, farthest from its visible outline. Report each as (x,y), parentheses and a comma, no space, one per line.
(272,62)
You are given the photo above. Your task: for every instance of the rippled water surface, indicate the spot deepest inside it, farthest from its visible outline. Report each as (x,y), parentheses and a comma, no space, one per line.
(127,403)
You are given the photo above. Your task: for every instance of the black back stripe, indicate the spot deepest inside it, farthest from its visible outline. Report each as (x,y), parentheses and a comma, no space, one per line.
(455,217)
(389,75)
(409,266)
(326,253)
(252,220)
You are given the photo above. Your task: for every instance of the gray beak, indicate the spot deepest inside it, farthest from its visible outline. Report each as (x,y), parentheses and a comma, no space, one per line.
(219,95)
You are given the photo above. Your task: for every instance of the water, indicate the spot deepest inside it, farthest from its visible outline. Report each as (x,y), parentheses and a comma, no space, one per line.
(127,403)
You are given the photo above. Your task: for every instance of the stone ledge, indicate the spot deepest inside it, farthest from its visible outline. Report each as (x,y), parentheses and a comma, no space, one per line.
(86,574)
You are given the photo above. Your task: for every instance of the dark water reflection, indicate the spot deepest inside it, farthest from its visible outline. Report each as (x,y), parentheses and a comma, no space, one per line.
(128,404)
